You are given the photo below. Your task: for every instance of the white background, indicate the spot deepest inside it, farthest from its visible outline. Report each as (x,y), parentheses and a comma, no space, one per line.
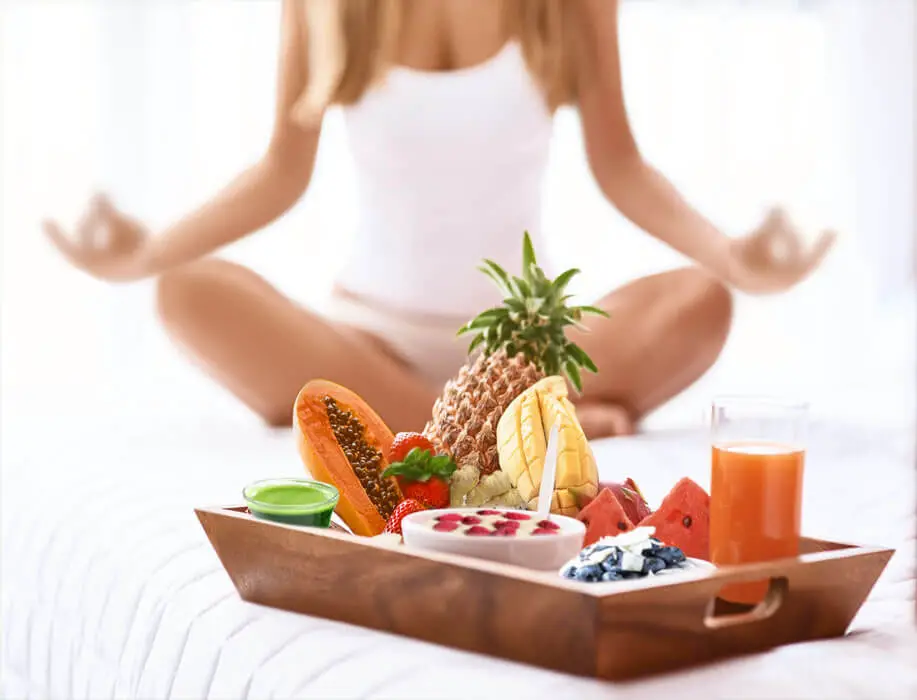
(741,103)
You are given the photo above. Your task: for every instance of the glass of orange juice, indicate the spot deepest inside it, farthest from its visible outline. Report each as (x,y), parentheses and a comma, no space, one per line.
(756,485)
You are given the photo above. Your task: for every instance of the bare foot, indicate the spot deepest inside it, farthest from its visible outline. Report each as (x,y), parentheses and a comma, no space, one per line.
(600,420)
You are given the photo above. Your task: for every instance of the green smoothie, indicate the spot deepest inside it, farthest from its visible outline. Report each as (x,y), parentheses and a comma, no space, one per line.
(292,501)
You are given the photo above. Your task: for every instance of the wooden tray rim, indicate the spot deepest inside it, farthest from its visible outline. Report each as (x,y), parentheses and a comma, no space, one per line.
(718,576)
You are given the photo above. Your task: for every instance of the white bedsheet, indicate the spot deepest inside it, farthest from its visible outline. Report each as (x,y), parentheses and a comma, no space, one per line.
(111,590)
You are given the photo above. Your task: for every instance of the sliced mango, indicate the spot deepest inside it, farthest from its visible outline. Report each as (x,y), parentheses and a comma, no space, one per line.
(522,442)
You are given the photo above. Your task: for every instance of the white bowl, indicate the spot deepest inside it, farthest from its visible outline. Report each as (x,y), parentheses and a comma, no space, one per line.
(543,552)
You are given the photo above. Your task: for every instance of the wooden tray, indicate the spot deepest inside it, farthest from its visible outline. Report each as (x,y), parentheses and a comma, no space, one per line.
(617,631)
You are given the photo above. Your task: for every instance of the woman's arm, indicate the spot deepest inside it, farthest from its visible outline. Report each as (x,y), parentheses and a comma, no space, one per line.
(258,196)
(647,198)
(639,191)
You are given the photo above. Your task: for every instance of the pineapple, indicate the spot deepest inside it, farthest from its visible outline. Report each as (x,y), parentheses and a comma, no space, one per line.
(518,343)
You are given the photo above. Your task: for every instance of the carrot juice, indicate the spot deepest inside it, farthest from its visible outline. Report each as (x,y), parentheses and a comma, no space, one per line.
(755,508)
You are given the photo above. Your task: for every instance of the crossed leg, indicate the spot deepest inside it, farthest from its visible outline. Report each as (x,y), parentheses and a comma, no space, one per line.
(665,331)
(263,347)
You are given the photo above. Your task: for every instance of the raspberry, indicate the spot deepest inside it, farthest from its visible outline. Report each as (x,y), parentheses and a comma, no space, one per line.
(512,524)
(454,517)
(477,530)
(516,516)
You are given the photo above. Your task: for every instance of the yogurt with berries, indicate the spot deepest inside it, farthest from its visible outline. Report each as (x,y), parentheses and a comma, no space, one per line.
(518,537)
(494,523)
(630,555)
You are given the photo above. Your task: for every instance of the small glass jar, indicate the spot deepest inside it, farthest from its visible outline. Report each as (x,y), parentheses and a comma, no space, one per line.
(292,501)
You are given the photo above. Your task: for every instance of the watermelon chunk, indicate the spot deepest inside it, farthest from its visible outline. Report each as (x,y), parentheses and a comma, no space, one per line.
(683,519)
(629,496)
(604,517)
(631,500)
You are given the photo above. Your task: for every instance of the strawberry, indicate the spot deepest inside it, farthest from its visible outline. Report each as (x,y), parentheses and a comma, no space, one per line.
(423,477)
(402,510)
(405,442)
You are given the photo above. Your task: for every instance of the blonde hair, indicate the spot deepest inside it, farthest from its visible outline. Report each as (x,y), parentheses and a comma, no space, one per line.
(351,44)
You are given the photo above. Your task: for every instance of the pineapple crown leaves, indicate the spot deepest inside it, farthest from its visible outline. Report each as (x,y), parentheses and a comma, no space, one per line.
(533,318)
(421,465)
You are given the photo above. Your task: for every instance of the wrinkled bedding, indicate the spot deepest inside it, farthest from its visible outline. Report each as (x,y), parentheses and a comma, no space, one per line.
(111,590)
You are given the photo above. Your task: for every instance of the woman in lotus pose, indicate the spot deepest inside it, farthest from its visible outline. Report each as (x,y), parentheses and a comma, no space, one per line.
(448,105)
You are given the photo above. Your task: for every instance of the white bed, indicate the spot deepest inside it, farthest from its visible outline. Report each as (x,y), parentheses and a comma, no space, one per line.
(111,590)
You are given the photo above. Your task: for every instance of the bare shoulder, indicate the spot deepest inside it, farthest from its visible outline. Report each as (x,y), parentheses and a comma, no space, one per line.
(599,10)
(600,93)
(596,23)
(598,64)
(291,140)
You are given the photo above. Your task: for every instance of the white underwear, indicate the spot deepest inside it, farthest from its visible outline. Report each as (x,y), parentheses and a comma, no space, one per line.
(428,344)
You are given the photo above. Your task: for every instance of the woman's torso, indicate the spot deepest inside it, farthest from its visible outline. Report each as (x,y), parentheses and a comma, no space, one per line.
(449,171)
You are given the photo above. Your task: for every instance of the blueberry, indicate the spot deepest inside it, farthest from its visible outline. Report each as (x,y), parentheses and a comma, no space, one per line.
(670,555)
(582,575)
(592,569)
(652,565)
(568,571)
(609,565)
(611,576)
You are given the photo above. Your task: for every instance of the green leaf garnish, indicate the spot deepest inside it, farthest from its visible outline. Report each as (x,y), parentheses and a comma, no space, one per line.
(421,465)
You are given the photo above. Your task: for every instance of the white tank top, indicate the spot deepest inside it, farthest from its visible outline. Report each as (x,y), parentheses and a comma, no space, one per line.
(449,171)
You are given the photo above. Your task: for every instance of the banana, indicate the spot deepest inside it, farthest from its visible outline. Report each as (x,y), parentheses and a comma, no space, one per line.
(464,481)
(522,442)
(467,488)
(510,499)
(495,490)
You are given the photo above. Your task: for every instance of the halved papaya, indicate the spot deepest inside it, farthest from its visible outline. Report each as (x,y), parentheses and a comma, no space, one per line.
(343,442)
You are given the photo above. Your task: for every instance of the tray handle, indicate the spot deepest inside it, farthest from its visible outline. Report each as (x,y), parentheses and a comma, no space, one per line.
(773,599)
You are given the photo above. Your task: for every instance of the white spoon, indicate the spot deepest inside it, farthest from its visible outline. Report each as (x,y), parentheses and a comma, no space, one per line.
(548,475)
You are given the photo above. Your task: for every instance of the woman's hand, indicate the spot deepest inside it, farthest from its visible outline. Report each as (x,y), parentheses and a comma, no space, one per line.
(773,258)
(107,245)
